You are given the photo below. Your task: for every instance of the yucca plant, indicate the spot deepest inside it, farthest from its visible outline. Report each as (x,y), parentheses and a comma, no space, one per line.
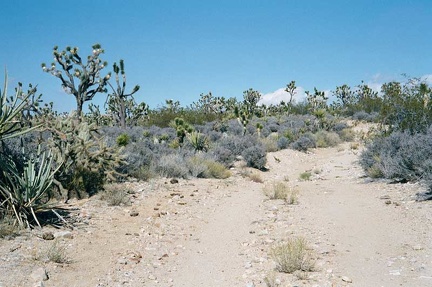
(10,111)
(199,141)
(20,190)
(23,191)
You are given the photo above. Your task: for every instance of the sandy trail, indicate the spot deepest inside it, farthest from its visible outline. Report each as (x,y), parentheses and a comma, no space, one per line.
(214,258)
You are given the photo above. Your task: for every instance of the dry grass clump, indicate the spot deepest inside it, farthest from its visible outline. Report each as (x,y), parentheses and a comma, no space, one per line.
(293,255)
(202,167)
(271,281)
(115,195)
(57,253)
(270,143)
(327,139)
(280,190)
(252,175)
(216,170)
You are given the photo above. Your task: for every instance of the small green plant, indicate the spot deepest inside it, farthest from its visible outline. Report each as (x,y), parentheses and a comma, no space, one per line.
(123,140)
(182,129)
(305,176)
(292,255)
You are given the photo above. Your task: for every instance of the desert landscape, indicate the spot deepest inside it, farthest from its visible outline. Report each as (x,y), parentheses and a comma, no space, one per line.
(216,144)
(221,232)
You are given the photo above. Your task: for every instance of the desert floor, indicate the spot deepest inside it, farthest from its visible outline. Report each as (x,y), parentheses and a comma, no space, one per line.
(210,232)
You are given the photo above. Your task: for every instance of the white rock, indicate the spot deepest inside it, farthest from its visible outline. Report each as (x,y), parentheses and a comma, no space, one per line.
(39,274)
(63,234)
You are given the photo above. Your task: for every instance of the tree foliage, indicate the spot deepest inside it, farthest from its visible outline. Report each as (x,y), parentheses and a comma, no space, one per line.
(81,79)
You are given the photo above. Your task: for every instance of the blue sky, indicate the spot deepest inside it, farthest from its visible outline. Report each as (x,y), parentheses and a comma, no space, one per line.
(180,49)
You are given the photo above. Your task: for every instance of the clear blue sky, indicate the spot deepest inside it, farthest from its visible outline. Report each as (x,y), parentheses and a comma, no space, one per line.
(180,49)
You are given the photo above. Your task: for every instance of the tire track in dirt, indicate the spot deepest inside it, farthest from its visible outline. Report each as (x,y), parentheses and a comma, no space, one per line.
(214,258)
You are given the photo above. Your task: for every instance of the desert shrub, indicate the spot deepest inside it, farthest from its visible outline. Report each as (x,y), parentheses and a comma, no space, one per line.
(255,156)
(196,166)
(400,156)
(340,126)
(136,156)
(123,140)
(216,170)
(305,142)
(282,143)
(234,128)
(364,116)
(290,135)
(223,155)
(115,195)
(229,147)
(293,255)
(214,136)
(327,139)
(273,127)
(57,253)
(406,106)
(346,135)
(205,167)
(270,143)
(172,165)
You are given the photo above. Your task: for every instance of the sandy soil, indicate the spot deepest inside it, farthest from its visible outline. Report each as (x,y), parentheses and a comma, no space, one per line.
(204,232)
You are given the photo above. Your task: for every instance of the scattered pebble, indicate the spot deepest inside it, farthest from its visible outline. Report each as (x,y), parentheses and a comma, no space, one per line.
(48,236)
(346,279)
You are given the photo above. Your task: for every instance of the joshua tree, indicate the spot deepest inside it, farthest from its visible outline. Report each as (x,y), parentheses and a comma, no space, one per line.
(83,80)
(122,104)
(291,90)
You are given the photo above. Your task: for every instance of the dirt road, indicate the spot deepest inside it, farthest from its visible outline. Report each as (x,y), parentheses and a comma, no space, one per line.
(220,232)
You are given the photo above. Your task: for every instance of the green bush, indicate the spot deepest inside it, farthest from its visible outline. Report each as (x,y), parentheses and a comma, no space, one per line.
(123,140)
(406,106)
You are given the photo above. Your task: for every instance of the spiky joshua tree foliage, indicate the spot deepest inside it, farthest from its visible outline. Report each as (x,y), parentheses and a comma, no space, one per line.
(121,104)
(81,79)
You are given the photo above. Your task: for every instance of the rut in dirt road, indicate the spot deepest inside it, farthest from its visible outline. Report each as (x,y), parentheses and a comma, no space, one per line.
(213,258)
